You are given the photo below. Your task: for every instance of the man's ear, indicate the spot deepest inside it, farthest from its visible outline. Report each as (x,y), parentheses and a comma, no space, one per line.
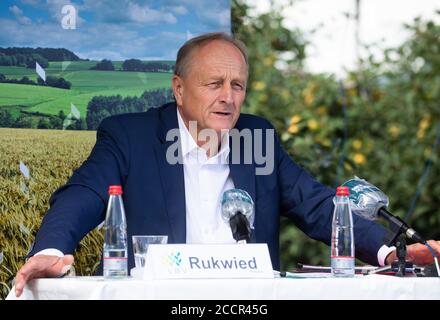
(177,84)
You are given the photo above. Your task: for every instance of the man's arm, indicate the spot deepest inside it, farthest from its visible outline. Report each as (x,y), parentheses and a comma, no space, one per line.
(310,205)
(79,206)
(74,211)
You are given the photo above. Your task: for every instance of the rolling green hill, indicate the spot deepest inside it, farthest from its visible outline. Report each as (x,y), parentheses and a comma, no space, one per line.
(25,95)
(117,81)
(85,85)
(18,72)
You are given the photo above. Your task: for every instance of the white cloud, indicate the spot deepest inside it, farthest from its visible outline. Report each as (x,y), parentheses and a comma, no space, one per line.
(129,11)
(178,10)
(216,17)
(118,30)
(144,14)
(102,54)
(18,13)
(55,8)
(98,41)
(16,10)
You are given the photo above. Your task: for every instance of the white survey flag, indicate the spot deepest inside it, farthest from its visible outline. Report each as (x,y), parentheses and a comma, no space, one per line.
(40,71)
(24,170)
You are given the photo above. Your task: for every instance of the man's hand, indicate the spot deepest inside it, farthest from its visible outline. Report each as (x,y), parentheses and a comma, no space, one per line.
(418,253)
(41,266)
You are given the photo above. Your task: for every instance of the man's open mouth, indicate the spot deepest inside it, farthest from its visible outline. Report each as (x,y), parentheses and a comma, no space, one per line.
(222,113)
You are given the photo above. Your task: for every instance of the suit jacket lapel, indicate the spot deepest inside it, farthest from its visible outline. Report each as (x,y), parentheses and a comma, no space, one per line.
(172,178)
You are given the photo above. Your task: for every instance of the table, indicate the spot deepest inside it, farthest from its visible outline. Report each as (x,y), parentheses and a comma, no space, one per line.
(360,287)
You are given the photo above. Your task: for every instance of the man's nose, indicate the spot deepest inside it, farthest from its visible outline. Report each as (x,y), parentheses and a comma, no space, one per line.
(226,94)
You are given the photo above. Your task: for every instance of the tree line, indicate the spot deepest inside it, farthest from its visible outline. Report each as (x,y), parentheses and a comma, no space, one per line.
(104,65)
(23,60)
(101,107)
(50,54)
(135,65)
(38,120)
(152,66)
(51,81)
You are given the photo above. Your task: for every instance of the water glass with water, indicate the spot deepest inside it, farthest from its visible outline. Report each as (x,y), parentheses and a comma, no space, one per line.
(140,247)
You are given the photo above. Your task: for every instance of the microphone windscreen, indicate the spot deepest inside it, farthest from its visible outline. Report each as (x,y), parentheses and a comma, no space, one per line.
(237,200)
(365,198)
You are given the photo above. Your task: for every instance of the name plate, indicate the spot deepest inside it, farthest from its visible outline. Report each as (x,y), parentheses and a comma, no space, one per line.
(188,261)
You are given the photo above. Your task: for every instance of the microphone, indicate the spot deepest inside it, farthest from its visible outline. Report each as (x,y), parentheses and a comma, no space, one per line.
(370,202)
(238,211)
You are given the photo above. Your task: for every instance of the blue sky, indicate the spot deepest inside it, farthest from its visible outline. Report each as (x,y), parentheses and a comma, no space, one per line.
(112,29)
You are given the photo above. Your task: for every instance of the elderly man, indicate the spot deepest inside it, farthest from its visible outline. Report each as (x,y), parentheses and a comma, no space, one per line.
(181,199)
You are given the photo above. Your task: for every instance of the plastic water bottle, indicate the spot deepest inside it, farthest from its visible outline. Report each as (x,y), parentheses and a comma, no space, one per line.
(115,236)
(342,246)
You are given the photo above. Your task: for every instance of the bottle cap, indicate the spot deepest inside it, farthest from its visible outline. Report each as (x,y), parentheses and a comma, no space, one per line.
(115,190)
(342,191)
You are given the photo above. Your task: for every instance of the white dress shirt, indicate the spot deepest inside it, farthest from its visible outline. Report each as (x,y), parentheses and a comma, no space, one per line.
(205,181)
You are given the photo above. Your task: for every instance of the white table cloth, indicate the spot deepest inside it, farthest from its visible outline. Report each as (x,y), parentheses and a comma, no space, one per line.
(359,287)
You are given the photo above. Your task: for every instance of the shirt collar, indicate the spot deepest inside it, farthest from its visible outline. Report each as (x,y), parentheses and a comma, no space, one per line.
(189,145)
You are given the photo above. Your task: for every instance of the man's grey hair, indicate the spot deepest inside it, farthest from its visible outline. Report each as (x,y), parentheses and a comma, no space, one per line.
(184,55)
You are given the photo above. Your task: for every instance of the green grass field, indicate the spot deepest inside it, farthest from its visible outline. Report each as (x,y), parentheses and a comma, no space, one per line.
(85,85)
(24,95)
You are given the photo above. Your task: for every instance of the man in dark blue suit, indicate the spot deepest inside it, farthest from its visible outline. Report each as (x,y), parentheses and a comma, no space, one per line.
(178,193)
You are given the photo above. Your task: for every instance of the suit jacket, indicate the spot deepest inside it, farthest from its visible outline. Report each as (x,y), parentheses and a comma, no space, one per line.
(131,151)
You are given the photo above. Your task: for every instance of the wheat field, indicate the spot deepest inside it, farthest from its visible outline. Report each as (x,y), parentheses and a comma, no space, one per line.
(33,164)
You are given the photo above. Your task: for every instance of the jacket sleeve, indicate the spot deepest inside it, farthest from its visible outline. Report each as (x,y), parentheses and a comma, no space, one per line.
(310,205)
(79,206)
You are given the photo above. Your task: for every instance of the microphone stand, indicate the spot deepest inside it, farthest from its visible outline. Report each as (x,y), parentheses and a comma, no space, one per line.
(401,255)
(396,237)
(240,227)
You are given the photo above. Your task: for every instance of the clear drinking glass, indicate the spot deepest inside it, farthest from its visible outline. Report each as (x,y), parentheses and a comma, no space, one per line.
(140,247)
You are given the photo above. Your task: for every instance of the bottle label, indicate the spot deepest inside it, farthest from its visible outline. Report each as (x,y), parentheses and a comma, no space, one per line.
(115,263)
(346,262)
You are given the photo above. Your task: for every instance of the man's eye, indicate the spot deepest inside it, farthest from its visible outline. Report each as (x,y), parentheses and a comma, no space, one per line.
(238,86)
(214,84)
